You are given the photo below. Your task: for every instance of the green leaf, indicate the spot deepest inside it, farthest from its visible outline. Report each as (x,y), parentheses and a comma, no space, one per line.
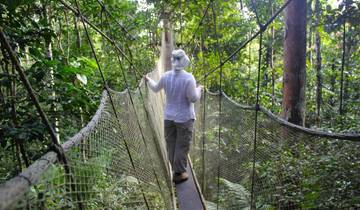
(35,52)
(88,62)
(81,78)
(68,70)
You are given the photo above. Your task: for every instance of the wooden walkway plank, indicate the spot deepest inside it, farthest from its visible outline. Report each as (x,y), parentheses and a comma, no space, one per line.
(188,193)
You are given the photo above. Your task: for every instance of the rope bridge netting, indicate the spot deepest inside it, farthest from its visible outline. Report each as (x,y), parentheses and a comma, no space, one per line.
(248,158)
(295,168)
(117,161)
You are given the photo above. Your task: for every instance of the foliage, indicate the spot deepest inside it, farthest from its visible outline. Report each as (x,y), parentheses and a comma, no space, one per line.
(233,196)
(53,49)
(96,187)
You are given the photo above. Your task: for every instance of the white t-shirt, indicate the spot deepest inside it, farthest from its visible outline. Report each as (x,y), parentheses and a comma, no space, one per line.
(181,94)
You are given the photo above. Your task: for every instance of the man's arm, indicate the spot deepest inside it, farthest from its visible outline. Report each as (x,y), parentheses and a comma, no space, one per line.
(193,93)
(156,87)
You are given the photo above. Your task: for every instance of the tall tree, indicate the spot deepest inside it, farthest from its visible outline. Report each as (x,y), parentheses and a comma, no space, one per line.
(310,31)
(271,57)
(341,106)
(168,40)
(46,10)
(318,61)
(295,62)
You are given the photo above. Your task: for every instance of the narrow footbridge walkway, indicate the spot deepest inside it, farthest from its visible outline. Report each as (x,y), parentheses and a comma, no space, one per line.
(188,193)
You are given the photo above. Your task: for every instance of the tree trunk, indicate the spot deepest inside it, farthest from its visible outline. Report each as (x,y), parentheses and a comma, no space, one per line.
(85,145)
(17,156)
(332,82)
(19,145)
(318,64)
(341,111)
(49,56)
(27,57)
(168,41)
(168,44)
(295,62)
(347,82)
(11,94)
(3,94)
(67,37)
(271,59)
(59,42)
(2,100)
(310,35)
(341,108)
(293,103)
(152,44)
(78,35)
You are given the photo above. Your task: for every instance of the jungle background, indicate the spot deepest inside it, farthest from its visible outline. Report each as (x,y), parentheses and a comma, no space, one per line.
(52,47)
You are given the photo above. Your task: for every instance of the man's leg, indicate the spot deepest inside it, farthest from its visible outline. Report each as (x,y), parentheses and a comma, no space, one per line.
(170,137)
(182,148)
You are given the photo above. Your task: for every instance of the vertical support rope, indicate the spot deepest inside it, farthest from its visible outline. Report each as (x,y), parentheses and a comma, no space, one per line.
(217,49)
(203,121)
(181,21)
(110,97)
(257,108)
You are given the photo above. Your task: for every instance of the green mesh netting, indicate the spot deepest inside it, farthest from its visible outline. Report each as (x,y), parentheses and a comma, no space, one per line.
(102,172)
(116,162)
(293,169)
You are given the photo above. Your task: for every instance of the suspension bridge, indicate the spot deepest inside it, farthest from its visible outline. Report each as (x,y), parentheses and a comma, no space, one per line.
(242,157)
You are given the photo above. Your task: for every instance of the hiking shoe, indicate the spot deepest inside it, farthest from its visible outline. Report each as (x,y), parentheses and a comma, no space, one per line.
(178,178)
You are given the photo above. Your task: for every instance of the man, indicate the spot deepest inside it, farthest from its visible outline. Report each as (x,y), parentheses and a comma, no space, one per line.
(181,94)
